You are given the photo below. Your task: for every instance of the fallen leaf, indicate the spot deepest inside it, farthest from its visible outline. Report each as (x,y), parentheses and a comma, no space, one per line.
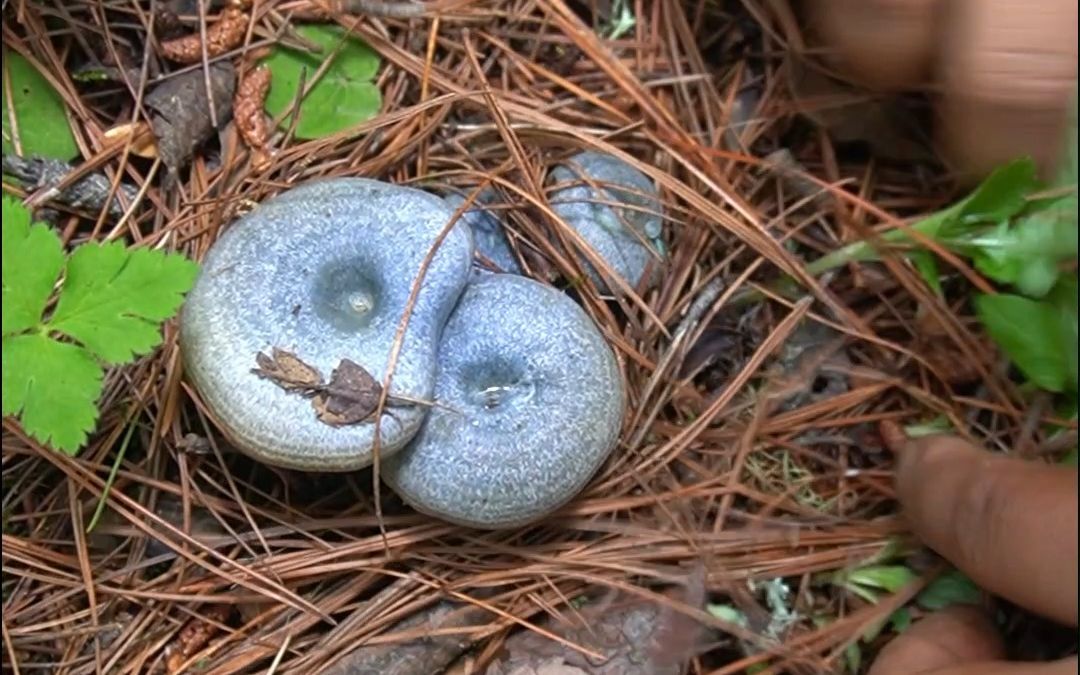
(288,371)
(405,9)
(351,397)
(180,108)
(633,635)
(91,192)
(553,666)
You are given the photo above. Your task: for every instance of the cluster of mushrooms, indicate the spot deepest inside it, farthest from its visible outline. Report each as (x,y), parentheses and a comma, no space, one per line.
(505,397)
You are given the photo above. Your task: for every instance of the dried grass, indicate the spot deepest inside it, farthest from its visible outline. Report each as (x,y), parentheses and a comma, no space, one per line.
(715,468)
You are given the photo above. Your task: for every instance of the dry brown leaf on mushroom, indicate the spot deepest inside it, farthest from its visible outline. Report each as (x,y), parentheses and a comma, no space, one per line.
(287,370)
(351,396)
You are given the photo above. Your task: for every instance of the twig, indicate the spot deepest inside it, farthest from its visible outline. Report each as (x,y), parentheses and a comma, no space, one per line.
(89,192)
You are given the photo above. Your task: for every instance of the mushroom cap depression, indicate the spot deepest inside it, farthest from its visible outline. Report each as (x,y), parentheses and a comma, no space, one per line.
(324,271)
(534,403)
(619,218)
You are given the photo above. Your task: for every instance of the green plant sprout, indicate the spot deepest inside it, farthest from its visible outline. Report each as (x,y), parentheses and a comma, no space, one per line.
(108,311)
(622,20)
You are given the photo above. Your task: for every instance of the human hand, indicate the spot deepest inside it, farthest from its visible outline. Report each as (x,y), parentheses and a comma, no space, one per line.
(1006,69)
(1011,526)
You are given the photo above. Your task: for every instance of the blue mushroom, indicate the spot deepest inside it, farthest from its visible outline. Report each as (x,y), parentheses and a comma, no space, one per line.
(489,230)
(323,271)
(531,404)
(619,217)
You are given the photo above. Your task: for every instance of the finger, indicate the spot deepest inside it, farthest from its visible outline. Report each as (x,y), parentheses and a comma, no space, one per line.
(1008,524)
(1008,69)
(948,638)
(887,44)
(1063,667)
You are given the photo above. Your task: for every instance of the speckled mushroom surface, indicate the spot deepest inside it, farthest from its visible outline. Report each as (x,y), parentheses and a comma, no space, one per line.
(619,217)
(323,270)
(536,400)
(488,228)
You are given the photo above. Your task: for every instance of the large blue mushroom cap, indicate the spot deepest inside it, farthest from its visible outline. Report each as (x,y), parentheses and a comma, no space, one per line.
(324,271)
(531,404)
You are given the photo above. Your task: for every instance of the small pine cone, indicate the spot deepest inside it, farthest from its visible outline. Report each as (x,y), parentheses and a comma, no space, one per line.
(223,36)
(248,113)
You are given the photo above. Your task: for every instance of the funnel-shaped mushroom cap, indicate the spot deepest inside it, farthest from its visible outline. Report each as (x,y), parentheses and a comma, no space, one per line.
(536,402)
(488,229)
(323,271)
(619,217)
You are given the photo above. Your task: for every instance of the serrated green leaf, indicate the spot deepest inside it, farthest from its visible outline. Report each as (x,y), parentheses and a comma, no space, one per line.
(889,578)
(1064,300)
(38,111)
(53,387)
(113,298)
(1030,333)
(33,257)
(342,98)
(1028,252)
(951,588)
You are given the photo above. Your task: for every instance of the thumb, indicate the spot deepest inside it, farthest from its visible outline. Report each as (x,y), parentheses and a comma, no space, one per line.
(1008,71)
(886,44)
(956,641)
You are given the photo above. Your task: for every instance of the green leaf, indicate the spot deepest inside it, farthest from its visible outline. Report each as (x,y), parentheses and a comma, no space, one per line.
(1029,252)
(39,112)
(951,588)
(889,578)
(853,658)
(1064,299)
(33,257)
(1030,333)
(342,98)
(113,298)
(926,264)
(728,613)
(900,620)
(1002,195)
(53,387)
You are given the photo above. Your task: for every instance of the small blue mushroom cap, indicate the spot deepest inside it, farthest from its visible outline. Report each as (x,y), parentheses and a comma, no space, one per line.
(620,218)
(324,271)
(489,230)
(531,401)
